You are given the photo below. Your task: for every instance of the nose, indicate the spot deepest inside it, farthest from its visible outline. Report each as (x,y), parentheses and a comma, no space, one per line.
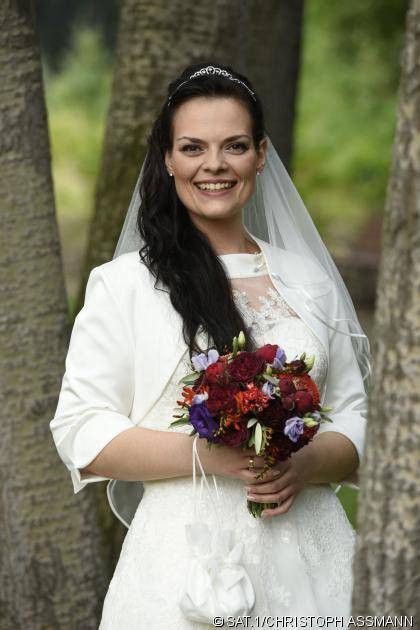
(214,160)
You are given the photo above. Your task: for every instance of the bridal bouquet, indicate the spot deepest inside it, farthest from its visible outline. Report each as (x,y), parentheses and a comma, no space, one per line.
(252,399)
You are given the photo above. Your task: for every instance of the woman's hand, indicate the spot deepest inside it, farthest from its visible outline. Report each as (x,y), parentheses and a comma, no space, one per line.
(280,488)
(280,484)
(229,461)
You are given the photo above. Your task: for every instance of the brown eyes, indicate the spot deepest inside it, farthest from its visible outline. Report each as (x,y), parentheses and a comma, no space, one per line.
(238,147)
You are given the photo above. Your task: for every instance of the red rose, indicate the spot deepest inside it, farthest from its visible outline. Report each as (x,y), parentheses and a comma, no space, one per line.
(235,438)
(303,401)
(286,385)
(306,383)
(309,432)
(245,366)
(273,415)
(288,403)
(267,352)
(216,373)
(222,398)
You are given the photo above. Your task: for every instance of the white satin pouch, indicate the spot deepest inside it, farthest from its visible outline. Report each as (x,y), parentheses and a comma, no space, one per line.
(216,582)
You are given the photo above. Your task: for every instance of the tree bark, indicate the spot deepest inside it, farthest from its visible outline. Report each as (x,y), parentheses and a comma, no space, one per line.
(52,573)
(387,559)
(155,41)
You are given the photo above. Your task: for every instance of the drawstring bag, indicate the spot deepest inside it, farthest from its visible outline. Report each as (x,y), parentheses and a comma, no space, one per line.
(216,583)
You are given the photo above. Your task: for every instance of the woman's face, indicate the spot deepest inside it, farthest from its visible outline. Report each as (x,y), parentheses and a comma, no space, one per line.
(213,148)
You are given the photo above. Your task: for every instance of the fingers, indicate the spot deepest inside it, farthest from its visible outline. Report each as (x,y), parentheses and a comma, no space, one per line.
(281,509)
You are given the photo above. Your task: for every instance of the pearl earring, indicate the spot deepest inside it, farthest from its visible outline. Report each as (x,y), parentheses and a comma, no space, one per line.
(170,174)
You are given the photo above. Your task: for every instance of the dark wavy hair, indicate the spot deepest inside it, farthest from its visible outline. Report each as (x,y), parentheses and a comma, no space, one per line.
(175,251)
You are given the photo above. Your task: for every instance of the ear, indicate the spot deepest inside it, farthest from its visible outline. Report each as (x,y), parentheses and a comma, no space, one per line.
(168,161)
(261,151)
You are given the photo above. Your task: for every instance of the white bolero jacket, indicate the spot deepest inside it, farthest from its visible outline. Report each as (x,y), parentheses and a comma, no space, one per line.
(127,340)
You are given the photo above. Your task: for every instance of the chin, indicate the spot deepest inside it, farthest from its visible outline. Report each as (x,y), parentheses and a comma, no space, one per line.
(215,214)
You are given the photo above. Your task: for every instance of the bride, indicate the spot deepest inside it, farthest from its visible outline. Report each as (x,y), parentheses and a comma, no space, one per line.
(226,245)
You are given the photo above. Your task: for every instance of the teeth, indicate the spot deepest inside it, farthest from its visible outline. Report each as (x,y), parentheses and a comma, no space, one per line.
(218,186)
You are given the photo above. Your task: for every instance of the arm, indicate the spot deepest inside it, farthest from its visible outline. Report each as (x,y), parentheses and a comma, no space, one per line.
(345,393)
(92,430)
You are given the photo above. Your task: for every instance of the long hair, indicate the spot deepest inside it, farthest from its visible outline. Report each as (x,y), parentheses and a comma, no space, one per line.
(176,252)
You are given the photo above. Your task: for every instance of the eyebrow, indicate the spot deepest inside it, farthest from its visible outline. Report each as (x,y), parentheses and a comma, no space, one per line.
(230,139)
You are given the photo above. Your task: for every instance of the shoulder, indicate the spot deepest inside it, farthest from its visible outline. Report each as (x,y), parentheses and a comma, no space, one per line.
(125,269)
(293,267)
(122,276)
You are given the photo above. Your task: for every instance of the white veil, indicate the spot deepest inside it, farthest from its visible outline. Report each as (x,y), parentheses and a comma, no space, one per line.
(276,213)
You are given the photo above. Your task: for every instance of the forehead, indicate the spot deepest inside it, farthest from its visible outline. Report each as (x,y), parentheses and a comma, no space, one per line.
(200,117)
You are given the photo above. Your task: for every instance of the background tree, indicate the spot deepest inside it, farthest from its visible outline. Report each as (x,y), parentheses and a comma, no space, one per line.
(387,559)
(52,572)
(153,45)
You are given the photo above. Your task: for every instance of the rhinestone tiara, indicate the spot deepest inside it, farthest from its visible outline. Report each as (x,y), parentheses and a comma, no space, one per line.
(212,70)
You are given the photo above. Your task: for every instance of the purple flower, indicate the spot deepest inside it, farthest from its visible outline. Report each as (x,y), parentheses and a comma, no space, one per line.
(279,359)
(201,361)
(203,422)
(294,428)
(268,389)
(199,398)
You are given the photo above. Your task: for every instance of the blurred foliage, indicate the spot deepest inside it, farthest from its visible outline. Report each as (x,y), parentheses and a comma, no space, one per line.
(345,122)
(344,126)
(59,20)
(77,100)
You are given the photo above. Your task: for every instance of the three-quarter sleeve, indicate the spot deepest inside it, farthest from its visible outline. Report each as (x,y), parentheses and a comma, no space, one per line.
(345,392)
(98,385)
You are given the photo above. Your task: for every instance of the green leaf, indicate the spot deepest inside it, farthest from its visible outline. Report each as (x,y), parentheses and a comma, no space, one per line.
(326,418)
(179,422)
(251,422)
(189,379)
(258,438)
(271,379)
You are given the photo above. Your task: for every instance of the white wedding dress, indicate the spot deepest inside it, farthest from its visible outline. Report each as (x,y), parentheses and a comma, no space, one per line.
(300,562)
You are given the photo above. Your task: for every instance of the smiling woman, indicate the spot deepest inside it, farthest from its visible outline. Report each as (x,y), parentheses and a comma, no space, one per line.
(199,278)
(215,172)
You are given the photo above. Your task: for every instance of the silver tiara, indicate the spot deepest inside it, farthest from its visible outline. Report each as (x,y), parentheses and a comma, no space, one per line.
(212,70)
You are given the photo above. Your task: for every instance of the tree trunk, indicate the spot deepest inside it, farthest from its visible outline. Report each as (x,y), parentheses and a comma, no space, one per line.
(155,41)
(387,556)
(52,574)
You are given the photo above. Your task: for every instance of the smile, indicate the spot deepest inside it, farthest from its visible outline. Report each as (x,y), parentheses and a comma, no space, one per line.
(217,188)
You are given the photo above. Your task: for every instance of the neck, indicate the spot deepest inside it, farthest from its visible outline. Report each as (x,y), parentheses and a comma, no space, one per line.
(228,236)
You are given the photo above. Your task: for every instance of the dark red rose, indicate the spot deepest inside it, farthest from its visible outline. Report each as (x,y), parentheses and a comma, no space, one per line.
(245,366)
(222,398)
(303,401)
(273,415)
(309,432)
(286,385)
(288,402)
(235,438)
(216,373)
(267,352)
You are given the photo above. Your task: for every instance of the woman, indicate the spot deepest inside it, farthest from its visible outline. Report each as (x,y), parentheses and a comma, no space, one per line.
(201,277)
